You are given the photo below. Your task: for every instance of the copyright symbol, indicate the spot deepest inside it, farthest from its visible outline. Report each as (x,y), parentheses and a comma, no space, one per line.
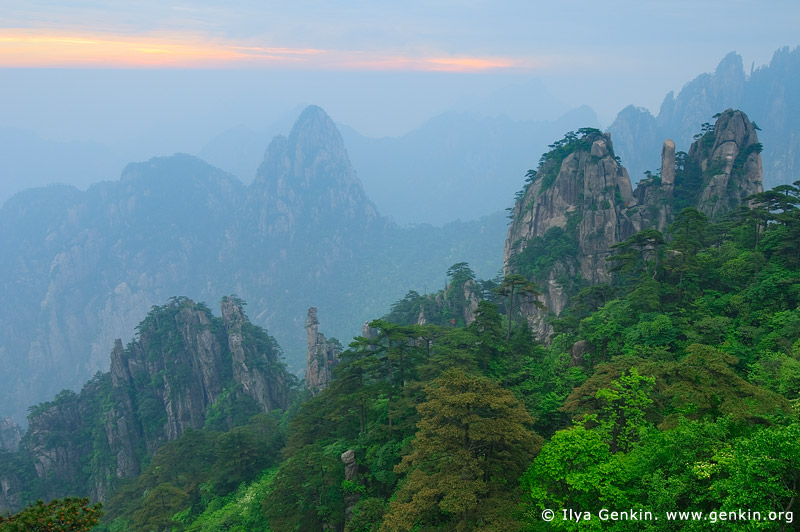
(548,515)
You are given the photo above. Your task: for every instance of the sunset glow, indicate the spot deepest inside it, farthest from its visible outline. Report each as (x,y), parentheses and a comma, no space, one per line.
(27,49)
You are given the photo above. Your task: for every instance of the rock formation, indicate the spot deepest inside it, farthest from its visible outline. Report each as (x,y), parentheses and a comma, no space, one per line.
(656,195)
(729,158)
(767,94)
(10,435)
(351,498)
(579,204)
(581,197)
(321,357)
(187,369)
(262,380)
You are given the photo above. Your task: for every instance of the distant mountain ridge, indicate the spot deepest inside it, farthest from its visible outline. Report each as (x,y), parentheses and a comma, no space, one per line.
(83,268)
(770,95)
(456,165)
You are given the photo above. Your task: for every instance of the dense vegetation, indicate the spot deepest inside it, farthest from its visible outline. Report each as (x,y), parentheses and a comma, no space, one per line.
(59,515)
(674,388)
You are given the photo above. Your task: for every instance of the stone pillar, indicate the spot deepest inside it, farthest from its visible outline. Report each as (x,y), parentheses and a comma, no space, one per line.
(668,163)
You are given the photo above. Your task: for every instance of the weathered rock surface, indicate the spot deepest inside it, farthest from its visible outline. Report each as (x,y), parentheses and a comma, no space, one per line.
(350,473)
(730,160)
(587,195)
(656,196)
(322,356)
(581,201)
(185,370)
(10,435)
(260,374)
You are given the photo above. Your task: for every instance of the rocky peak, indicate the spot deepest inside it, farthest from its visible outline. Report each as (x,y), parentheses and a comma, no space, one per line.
(322,355)
(579,203)
(578,200)
(307,179)
(187,369)
(315,138)
(729,159)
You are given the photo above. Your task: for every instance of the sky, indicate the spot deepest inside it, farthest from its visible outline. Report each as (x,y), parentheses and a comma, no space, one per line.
(157,76)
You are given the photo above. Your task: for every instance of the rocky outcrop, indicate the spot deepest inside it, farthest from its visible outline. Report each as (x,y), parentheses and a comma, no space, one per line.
(656,195)
(581,198)
(322,355)
(729,158)
(186,369)
(10,435)
(351,497)
(768,95)
(579,204)
(471,297)
(370,333)
(259,372)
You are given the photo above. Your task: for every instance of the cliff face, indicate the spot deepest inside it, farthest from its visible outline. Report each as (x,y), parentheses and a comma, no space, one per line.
(187,369)
(729,158)
(10,435)
(322,355)
(722,168)
(579,204)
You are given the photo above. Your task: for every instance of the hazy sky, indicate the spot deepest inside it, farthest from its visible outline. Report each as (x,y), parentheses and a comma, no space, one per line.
(174,73)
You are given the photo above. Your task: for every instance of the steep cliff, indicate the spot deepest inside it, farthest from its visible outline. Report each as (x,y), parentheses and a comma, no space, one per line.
(579,204)
(573,209)
(186,370)
(722,168)
(322,356)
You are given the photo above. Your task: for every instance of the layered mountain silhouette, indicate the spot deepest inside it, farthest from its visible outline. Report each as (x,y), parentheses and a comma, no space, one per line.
(83,268)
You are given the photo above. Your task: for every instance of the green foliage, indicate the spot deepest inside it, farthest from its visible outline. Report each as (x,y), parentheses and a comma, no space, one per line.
(540,253)
(71,514)
(550,162)
(306,492)
(240,511)
(190,476)
(472,441)
(623,411)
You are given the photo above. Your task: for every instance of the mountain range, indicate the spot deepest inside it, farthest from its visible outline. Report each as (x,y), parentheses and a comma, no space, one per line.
(82,268)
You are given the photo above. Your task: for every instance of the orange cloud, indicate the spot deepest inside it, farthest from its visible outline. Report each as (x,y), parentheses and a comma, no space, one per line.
(29,48)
